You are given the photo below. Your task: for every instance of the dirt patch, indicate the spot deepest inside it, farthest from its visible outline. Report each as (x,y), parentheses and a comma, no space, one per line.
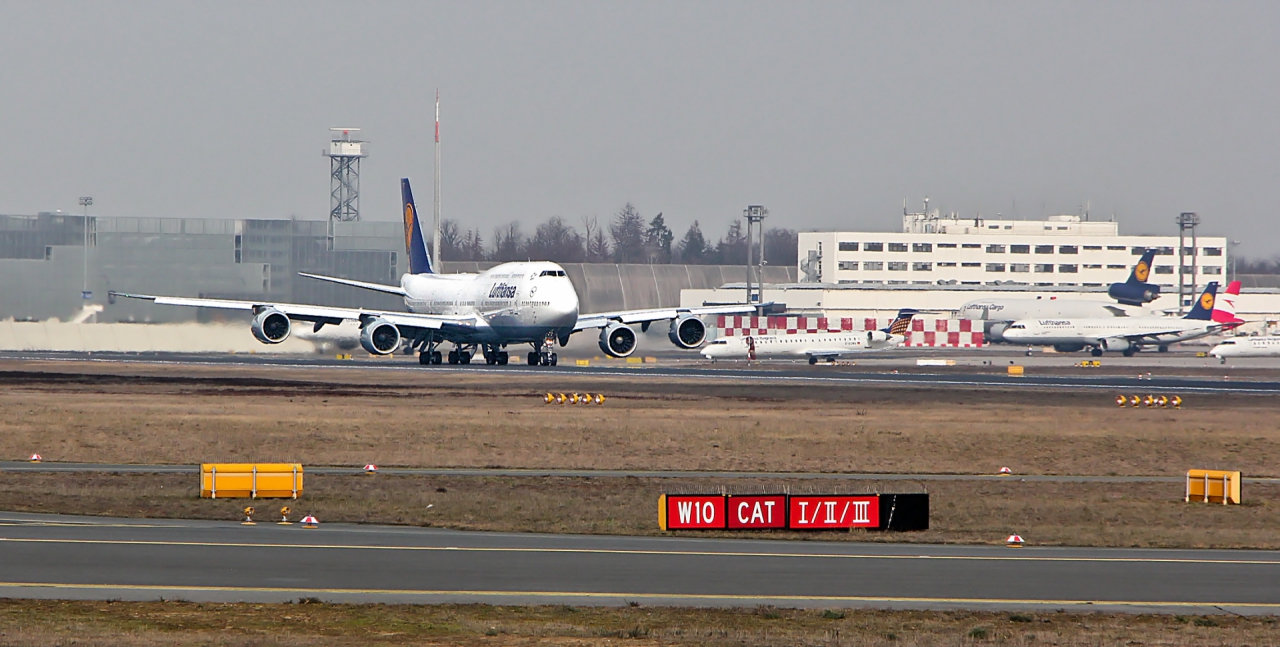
(1073,514)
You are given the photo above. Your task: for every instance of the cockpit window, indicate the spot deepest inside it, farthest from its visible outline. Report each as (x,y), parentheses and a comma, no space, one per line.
(553,273)
(1018,327)
(1229,342)
(719,341)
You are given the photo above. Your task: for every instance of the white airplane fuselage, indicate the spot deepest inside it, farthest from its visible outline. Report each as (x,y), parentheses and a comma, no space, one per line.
(512,303)
(1157,331)
(826,345)
(1268,346)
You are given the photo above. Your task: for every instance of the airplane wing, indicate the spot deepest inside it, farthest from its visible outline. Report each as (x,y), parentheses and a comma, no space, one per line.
(602,319)
(319,314)
(376,287)
(1156,334)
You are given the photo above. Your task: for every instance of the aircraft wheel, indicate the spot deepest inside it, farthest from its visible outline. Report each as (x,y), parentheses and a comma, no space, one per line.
(435,357)
(503,358)
(1096,352)
(1164,349)
(533,359)
(1128,352)
(464,358)
(453,357)
(551,360)
(424,358)
(813,360)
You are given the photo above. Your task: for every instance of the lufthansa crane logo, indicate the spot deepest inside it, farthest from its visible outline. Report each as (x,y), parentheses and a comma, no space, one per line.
(408,226)
(1141,272)
(1206,301)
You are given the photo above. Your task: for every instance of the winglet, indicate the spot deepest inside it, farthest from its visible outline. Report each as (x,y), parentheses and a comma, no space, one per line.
(415,246)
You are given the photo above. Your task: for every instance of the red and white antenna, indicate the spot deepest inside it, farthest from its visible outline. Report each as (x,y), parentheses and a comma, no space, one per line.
(435,234)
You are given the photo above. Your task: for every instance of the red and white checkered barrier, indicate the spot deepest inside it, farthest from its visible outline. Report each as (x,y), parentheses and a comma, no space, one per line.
(925,331)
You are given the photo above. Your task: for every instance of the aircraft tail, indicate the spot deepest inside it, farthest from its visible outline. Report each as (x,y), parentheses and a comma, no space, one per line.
(415,245)
(1202,309)
(902,322)
(1224,310)
(1142,270)
(1136,291)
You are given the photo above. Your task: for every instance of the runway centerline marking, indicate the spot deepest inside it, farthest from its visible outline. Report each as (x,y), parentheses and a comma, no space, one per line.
(663,553)
(595,595)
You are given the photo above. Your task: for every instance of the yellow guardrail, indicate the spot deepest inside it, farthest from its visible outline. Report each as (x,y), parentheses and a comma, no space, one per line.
(1213,486)
(1016,370)
(250,480)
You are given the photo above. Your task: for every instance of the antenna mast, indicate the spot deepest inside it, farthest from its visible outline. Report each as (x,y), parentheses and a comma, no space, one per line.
(435,236)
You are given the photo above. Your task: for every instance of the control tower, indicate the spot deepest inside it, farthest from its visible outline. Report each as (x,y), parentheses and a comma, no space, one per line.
(344,172)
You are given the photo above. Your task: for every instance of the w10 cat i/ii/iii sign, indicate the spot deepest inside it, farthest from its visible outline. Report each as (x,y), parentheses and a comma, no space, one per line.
(681,511)
(764,511)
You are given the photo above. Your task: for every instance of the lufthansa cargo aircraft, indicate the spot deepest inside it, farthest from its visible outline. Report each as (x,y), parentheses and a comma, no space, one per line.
(531,303)
(1125,334)
(997,313)
(824,345)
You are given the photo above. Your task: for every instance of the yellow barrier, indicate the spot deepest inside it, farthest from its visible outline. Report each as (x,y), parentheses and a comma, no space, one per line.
(635,360)
(250,480)
(584,362)
(1015,370)
(1213,486)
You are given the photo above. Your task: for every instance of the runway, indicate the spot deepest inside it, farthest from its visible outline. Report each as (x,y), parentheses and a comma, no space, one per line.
(852,375)
(96,558)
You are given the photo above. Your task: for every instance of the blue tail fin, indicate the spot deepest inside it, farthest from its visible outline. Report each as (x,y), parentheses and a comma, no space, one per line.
(902,322)
(419,260)
(1143,269)
(1203,307)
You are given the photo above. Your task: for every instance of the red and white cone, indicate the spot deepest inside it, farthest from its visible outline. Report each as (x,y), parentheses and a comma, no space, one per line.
(1014,541)
(35,458)
(371,468)
(1004,471)
(310,521)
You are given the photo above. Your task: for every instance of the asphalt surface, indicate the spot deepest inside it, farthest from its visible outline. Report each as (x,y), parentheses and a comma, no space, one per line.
(789,372)
(99,558)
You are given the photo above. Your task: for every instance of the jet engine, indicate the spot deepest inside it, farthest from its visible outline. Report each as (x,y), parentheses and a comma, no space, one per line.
(1116,344)
(995,331)
(1134,294)
(687,332)
(617,340)
(380,337)
(877,337)
(270,326)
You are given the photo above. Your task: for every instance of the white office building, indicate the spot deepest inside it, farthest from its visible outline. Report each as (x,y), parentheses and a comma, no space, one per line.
(1062,251)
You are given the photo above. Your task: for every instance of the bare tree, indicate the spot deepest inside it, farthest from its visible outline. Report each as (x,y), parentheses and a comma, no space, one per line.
(628,229)
(597,246)
(556,241)
(450,240)
(508,243)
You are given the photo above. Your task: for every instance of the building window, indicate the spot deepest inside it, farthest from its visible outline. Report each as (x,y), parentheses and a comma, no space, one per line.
(971,265)
(993,226)
(1019,267)
(946,245)
(922,267)
(1138,251)
(995,249)
(922,247)
(1092,267)
(1164,269)
(897,247)
(1213,269)
(872,265)
(1116,267)
(995,267)
(1115,248)
(1044,268)
(897,266)
(848,247)
(847,265)
(873,247)
(1068,269)
(970,246)
(1093,248)
(1019,249)
(946,264)
(1164,251)
(1213,251)
(1044,249)
(1068,249)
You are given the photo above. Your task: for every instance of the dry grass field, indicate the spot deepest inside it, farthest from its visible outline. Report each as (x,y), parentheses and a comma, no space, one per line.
(184,414)
(1073,514)
(47,623)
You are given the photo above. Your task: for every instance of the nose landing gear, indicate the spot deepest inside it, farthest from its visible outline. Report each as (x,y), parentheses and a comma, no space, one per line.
(542,355)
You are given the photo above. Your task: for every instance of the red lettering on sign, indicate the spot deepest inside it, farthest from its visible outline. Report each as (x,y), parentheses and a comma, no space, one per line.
(769,511)
(695,511)
(826,512)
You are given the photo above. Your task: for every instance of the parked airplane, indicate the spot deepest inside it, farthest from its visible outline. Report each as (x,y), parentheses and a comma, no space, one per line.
(513,303)
(1268,346)
(815,346)
(1124,334)
(999,312)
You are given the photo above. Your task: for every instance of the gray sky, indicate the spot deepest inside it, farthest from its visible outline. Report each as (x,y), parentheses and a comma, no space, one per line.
(829,114)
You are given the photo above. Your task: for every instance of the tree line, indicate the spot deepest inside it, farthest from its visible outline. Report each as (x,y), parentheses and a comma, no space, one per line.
(628,238)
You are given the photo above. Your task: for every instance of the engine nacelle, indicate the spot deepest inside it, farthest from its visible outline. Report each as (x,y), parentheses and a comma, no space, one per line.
(1134,294)
(271,326)
(995,331)
(617,340)
(380,337)
(1116,344)
(875,337)
(687,332)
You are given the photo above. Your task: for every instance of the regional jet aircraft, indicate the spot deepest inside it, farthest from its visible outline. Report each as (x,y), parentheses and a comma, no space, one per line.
(825,345)
(514,303)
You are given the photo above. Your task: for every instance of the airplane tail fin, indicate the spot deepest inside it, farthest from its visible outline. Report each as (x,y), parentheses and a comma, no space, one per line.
(1202,309)
(902,322)
(1142,270)
(1224,309)
(415,245)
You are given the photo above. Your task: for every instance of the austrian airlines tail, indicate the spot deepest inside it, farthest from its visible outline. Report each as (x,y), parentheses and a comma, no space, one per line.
(1224,309)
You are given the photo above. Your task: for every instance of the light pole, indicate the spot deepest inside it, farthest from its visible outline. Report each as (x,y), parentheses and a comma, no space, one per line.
(85,294)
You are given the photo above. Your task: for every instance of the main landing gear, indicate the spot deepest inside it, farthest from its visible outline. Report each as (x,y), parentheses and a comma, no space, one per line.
(493,355)
(542,355)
